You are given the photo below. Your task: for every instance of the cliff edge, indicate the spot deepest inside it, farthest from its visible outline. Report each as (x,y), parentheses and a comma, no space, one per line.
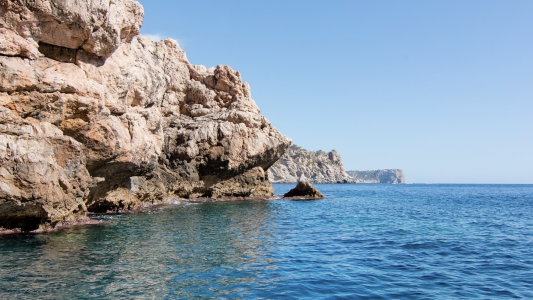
(95,117)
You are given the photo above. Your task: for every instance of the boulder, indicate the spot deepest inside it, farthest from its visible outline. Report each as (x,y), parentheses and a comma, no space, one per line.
(394,176)
(304,190)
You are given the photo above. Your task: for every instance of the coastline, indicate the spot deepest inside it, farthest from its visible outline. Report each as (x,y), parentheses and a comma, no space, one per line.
(57,227)
(137,209)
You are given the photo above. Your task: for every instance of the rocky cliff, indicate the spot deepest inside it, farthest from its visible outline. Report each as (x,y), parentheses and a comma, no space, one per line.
(322,167)
(317,167)
(95,117)
(378,176)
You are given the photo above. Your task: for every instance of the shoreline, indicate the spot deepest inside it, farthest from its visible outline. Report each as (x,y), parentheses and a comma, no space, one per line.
(137,209)
(57,227)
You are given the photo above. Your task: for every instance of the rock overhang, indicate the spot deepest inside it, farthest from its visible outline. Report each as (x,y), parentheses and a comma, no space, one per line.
(112,105)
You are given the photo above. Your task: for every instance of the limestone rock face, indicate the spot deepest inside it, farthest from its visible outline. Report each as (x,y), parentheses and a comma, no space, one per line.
(316,167)
(94,117)
(97,26)
(304,190)
(378,176)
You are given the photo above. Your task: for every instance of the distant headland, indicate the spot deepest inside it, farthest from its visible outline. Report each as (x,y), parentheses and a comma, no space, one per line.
(325,167)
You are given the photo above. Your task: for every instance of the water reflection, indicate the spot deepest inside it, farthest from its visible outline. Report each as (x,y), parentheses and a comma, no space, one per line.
(363,241)
(180,252)
(221,246)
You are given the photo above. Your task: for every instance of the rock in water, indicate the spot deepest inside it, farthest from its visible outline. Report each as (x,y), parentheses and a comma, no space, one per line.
(304,190)
(95,118)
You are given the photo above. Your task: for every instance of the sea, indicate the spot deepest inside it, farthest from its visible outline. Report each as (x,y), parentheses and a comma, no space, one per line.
(363,241)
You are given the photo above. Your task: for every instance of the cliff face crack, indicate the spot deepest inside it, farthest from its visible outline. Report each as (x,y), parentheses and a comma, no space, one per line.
(16,55)
(68,55)
(58,53)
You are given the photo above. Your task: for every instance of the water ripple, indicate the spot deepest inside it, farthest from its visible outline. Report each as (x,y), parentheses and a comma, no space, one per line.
(362,242)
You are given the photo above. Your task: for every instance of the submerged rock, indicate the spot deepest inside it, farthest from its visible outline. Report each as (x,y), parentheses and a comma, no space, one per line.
(96,118)
(304,190)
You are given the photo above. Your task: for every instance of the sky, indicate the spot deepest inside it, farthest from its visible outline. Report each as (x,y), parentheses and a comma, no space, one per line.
(440,89)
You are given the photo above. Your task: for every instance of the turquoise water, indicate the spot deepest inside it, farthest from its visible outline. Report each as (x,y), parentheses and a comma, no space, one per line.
(362,242)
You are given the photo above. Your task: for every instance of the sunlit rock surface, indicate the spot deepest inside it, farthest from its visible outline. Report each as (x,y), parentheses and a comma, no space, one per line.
(94,117)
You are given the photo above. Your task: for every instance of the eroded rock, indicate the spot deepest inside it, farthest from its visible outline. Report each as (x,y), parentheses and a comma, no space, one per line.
(304,190)
(94,117)
(97,26)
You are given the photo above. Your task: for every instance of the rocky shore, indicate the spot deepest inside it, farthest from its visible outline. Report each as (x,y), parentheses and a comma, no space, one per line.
(95,117)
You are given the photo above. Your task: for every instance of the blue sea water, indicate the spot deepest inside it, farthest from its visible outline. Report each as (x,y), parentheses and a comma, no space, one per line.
(362,242)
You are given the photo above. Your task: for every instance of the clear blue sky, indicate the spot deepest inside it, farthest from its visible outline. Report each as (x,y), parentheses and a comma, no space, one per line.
(440,89)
